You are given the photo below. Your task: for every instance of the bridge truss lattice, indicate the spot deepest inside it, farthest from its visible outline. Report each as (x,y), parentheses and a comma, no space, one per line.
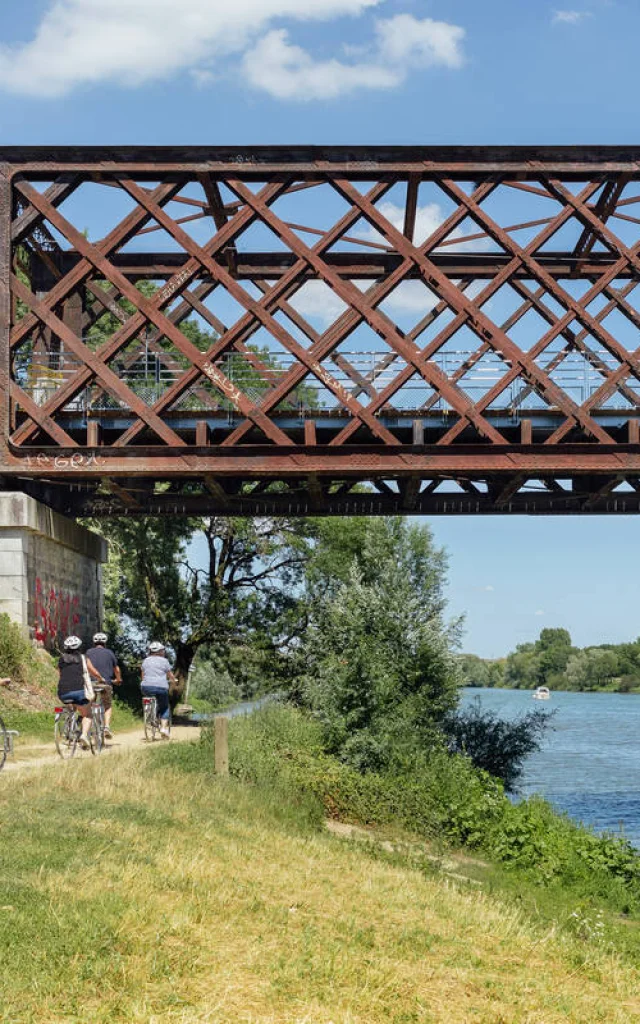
(321,330)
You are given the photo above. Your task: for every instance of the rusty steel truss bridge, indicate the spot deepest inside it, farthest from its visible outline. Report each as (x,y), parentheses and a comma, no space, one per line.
(321,330)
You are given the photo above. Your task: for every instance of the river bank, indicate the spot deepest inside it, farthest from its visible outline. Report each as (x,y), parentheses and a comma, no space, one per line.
(589,762)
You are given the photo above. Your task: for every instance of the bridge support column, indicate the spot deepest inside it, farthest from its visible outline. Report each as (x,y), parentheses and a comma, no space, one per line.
(50,571)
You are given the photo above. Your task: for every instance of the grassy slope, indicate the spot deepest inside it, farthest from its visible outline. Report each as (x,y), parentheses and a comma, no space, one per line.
(223,904)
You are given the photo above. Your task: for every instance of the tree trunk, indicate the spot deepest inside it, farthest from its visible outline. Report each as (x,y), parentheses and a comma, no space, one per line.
(185,653)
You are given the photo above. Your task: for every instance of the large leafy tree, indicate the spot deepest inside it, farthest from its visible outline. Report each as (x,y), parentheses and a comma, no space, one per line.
(380,672)
(219,582)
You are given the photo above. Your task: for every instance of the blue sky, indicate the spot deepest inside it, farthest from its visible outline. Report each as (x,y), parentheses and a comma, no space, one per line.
(363,71)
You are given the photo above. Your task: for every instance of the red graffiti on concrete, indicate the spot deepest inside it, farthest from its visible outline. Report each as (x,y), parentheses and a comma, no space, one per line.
(57,613)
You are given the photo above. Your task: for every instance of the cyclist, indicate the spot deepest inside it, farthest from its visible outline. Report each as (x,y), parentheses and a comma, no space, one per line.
(107,664)
(71,684)
(156,676)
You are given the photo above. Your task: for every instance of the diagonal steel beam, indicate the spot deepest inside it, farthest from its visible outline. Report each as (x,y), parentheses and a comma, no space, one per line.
(173,287)
(250,323)
(543,383)
(110,381)
(259,311)
(355,299)
(466,310)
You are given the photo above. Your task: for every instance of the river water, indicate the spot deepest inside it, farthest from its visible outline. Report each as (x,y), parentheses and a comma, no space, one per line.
(589,762)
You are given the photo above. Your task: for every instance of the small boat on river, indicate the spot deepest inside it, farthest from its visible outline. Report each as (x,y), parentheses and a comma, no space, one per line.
(542,693)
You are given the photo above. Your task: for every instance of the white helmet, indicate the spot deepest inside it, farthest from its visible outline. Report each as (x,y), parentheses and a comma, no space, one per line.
(72,643)
(100,638)
(155,646)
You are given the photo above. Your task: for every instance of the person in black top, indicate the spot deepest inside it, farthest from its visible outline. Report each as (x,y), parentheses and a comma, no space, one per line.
(71,683)
(107,665)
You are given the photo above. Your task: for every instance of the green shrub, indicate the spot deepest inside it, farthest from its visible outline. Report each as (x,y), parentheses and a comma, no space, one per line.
(494,744)
(445,797)
(32,672)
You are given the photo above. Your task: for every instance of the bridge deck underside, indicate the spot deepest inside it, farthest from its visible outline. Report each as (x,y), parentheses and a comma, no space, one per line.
(321,331)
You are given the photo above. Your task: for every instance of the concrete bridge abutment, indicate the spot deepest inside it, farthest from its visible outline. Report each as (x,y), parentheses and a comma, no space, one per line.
(50,571)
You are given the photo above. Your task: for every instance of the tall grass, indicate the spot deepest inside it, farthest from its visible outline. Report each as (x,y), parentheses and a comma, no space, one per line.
(130,891)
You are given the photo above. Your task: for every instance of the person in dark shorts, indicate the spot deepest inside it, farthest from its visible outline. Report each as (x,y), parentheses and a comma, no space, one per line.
(156,676)
(71,682)
(107,665)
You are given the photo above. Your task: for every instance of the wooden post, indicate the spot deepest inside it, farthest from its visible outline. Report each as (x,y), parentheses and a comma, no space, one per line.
(221,745)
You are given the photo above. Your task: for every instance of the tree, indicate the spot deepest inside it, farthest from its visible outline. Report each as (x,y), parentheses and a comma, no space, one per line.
(242,590)
(554,648)
(477,671)
(522,670)
(381,673)
(541,663)
(473,670)
(591,669)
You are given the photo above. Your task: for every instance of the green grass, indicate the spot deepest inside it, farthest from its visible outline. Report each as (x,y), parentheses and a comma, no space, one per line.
(563,875)
(133,892)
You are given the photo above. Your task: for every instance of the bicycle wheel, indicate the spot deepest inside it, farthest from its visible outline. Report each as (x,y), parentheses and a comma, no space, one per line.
(96,732)
(150,719)
(66,732)
(4,744)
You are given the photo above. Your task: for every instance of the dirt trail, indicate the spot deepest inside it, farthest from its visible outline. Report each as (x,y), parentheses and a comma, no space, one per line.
(121,741)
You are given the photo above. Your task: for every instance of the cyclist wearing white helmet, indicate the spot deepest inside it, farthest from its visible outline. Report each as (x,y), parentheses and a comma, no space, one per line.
(156,676)
(107,664)
(71,682)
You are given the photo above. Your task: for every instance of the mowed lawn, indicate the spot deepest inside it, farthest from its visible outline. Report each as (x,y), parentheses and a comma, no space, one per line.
(131,892)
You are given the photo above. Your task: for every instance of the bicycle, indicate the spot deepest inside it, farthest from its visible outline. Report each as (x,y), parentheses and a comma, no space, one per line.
(97,719)
(4,744)
(151,721)
(6,735)
(67,727)
(67,730)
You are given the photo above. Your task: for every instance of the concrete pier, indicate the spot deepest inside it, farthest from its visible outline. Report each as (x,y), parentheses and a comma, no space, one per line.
(50,571)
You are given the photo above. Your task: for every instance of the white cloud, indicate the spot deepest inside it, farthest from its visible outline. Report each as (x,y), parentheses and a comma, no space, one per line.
(539,612)
(428,218)
(569,17)
(401,43)
(425,43)
(489,587)
(290,73)
(203,77)
(129,42)
(317,301)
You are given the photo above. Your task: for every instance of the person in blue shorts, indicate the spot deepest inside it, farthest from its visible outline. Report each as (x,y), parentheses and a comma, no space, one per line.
(156,676)
(71,682)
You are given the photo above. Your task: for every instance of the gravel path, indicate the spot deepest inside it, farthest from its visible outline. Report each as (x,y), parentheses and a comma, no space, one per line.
(121,741)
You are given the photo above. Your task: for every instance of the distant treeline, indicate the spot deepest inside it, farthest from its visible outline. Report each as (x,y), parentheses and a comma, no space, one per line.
(553,661)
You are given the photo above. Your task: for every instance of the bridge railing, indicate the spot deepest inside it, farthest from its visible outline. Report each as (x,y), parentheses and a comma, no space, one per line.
(359,373)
